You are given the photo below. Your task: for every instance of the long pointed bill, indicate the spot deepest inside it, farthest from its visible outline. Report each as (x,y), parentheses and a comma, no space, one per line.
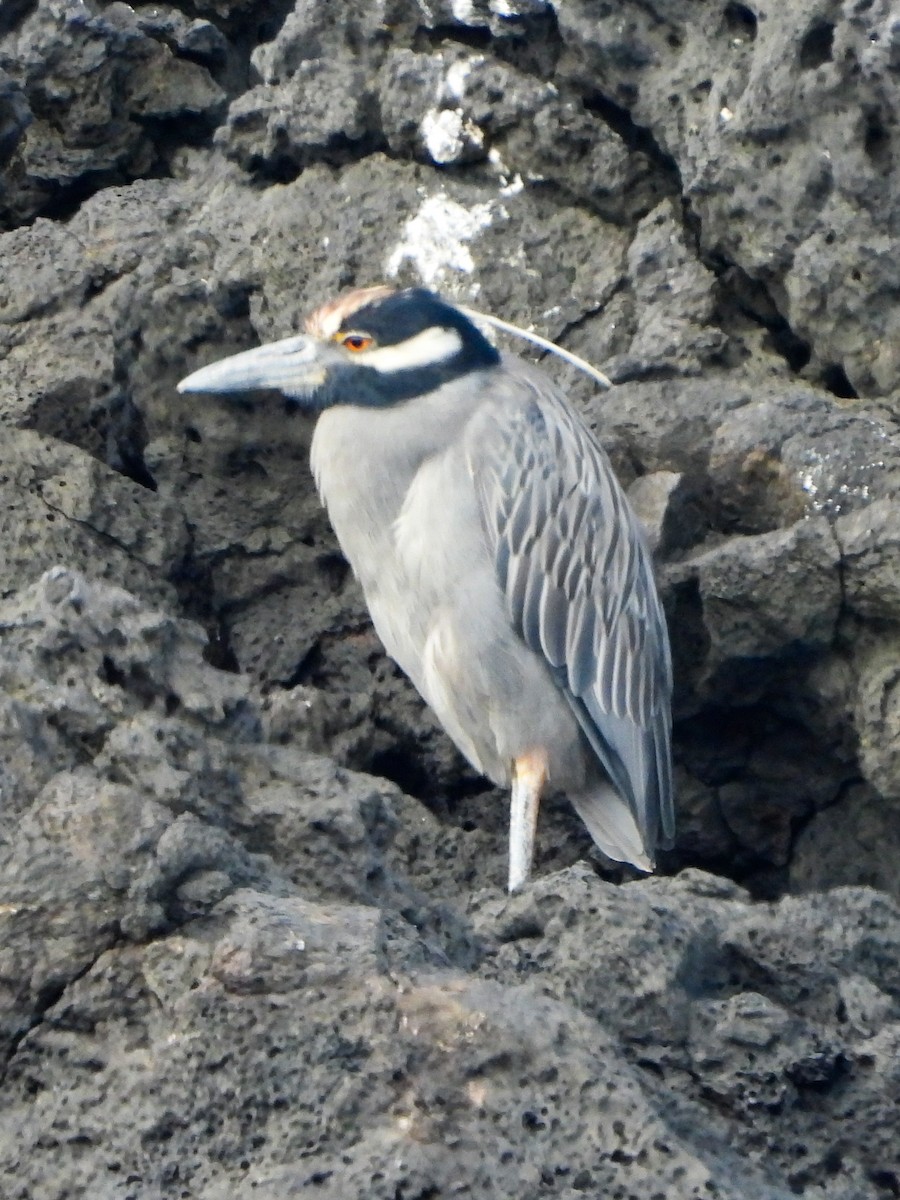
(292,365)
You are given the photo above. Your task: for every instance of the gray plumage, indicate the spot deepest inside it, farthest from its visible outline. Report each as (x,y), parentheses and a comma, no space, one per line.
(503,568)
(571,558)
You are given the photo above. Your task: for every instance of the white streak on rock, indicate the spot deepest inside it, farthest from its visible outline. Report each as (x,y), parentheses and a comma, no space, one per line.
(457,74)
(443,132)
(436,239)
(463,11)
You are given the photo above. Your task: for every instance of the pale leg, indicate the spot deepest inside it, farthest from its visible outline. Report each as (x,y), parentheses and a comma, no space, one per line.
(529,777)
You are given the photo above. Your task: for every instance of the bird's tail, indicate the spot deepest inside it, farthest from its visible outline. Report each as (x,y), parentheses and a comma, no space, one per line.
(611,825)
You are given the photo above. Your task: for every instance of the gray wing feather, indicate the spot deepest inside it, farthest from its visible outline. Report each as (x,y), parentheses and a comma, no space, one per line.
(571,558)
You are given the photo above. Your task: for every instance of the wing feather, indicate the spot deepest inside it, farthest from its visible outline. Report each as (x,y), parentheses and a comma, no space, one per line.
(553,624)
(571,558)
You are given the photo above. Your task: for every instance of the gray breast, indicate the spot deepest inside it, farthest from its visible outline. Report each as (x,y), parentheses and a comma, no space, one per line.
(399,489)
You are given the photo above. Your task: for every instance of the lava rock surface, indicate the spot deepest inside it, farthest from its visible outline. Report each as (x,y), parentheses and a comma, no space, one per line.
(253,935)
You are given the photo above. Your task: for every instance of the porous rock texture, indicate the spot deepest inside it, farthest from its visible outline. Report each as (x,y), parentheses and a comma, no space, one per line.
(253,936)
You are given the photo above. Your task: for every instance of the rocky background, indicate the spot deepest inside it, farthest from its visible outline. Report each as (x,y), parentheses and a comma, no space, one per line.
(253,937)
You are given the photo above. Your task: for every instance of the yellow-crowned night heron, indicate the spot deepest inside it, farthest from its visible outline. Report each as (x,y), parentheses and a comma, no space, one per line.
(502,565)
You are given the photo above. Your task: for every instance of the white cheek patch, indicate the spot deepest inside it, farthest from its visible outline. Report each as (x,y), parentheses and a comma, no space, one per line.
(428,348)
(328,323)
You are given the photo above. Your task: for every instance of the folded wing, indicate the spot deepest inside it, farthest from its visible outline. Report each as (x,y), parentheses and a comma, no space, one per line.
(572,560)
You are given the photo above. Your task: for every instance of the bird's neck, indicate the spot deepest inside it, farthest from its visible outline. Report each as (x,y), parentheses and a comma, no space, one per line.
(365,460)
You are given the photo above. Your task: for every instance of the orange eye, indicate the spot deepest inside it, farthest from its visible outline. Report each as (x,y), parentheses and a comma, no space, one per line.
(357,341)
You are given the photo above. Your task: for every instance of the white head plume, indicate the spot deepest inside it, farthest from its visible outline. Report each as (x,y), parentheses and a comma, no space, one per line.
(545,344)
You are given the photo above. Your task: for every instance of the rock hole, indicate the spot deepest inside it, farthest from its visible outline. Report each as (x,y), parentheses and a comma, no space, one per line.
(110,673)
(233,301)
(793,349)
(877,140)
(243,463)
(218,651)
(888,1181)
(126,440)
(816,47)
(308,671)
(834,378)
(403,768)
(476,37)
(524,927)
(334,569)
(14,13)
(740,21)
(635,137)
(834,1160)
(684,611)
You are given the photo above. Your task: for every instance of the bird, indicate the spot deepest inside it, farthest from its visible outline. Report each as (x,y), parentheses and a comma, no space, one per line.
(502,565)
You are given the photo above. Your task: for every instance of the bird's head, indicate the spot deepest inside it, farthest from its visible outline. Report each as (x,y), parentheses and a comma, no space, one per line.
(373,346)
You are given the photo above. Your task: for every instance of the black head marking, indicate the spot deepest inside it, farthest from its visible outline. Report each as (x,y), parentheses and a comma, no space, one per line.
(399,316)
(396,318)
